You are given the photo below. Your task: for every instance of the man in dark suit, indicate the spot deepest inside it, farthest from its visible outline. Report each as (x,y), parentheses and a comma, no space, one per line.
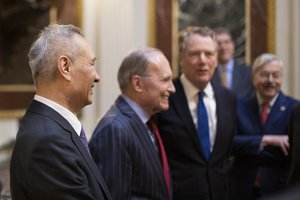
(230,73)
(198,161)
(50,159)
(294,138)
(261,145)
(131,156)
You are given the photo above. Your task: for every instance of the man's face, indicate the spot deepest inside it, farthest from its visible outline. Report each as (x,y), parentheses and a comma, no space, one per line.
(267,80)
(157,86)
(198,60)
(226,47)
(84,74)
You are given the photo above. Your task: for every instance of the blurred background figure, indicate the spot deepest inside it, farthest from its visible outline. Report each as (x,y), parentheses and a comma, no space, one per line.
(230,73)
(261,145)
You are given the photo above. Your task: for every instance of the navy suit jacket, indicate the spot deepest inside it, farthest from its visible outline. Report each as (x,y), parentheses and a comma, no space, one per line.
(294,136)
(50,162)
(272,164)
(126,156)
(193,176)
(241,79)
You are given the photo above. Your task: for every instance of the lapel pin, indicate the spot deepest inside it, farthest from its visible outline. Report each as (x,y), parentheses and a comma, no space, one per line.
(282,108)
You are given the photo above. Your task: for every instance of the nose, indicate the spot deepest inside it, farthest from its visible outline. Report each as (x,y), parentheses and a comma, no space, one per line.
(202,57)
(97,78)
(171,87)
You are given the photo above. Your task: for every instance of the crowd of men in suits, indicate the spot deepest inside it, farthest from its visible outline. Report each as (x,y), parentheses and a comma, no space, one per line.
(217,132)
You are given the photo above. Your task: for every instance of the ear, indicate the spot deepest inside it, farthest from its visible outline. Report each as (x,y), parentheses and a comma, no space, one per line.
(137,83)
(64,67)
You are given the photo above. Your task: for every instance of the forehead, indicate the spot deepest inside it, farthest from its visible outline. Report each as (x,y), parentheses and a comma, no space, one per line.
(223,36)
(197,42)
(271,66)
(159,64)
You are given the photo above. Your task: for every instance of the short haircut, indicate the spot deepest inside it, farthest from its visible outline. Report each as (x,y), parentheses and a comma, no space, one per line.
(223,30)
(264,59)
(53,41)
(185,34)
(136,63)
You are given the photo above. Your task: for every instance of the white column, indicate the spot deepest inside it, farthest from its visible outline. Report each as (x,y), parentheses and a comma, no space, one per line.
(113,27)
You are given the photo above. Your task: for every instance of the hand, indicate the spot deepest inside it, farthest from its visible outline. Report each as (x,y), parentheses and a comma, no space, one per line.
(281,141)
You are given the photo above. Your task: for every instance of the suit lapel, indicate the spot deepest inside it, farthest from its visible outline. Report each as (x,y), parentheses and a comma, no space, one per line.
(43,109)
(278,107)
(141,132)
(178,99)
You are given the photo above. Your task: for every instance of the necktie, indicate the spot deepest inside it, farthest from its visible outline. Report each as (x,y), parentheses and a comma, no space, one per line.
(83,139)
(163,156)
(203,129)
(264,112)
(224,77)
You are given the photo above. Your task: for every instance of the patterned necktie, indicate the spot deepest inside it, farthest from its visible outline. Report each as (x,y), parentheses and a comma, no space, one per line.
(83,139)
(264,112)
(163,156)
(203,129)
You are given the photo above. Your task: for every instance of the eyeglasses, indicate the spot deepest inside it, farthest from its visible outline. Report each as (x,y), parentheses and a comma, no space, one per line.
(274,75)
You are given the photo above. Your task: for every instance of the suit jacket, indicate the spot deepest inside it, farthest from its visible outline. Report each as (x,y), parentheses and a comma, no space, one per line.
(193,176)
(273,166)
(126,156)
(50,162)
(294,137)
(241,79)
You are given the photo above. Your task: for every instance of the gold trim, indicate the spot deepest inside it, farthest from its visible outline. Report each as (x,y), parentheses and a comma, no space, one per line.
(151,40)
(12,113)
(80,11)
(17,88)
(248,32)
(53,14)
(271,26)
(175,17)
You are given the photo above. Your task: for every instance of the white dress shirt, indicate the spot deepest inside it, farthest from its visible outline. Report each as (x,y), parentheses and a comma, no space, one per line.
(191,93)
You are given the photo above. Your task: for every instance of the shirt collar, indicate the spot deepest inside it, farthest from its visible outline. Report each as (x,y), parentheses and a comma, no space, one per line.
(137,109)
(68,115)
(228,66)
(260,100)
(191,91)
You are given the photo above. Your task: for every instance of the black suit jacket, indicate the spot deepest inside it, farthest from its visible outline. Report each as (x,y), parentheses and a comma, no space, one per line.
(50,162)
(193,176)
(241,79)
(125,154)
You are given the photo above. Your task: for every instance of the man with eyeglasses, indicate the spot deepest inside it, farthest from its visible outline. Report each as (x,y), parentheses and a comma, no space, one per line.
(261,146)
(229,72)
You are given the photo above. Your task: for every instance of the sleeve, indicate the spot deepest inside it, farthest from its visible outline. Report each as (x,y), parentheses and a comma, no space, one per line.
(57,171)
(110,149)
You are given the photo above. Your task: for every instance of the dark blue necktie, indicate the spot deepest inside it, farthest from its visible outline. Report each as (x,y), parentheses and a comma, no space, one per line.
(203,130)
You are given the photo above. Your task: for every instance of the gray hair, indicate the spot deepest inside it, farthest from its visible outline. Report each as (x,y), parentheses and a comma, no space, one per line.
(264,59)
(185,34)
(53,41)
(136,63)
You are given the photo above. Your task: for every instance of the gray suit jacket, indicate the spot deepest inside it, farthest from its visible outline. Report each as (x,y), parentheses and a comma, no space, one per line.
(50,162)
(126,155)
